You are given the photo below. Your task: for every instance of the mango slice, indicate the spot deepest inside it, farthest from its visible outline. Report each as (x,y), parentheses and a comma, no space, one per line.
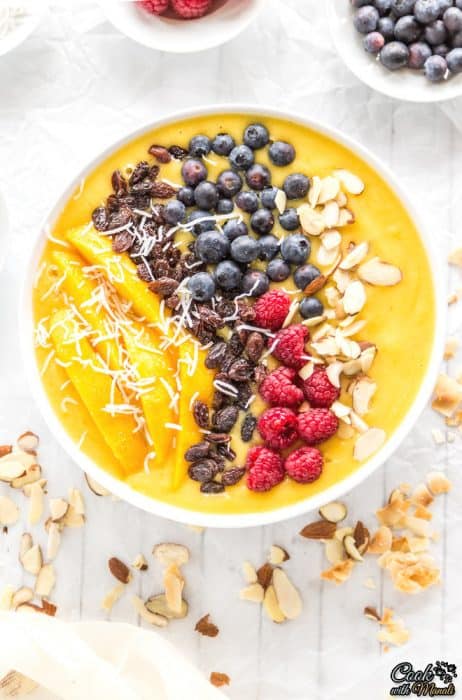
(198,385)
(94,389)
(81,287)
(143,353)
(121,272)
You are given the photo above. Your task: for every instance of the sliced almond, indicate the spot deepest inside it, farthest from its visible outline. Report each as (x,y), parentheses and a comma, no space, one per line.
(72,519)
(11,468)
(368,443)
(340,409)
(143,612)
(333,371)
(354,297)
(140,563)
(306,371)
(326,257)
(334,512)
(277,555)
(15,684)
(455,258)
(169,553)
(367,358)
(76,502)
(54,540)
(6,597)
(379,273)
(345,218)
(271,606)
(331,213)
(372,613)
(448,395)
(30,476)
(312,222)
(352,367)
(345,431)
(438,483)
(58,508)
(119,570)
(314,191)
(287,595)
(342,532)
(358,423)
(32,560)
(112,596)
(363,391)
(94,486)
(335,551)
(45,581)
(253,592)
(319,530)
(280,201)
(158,605)
(250,573)
(351,549)
(21,596)
(9,511)
(355,256)
(28,442)
(35,493)
(25,543)
(341,199)
(349,181)
(329,189)
(381,541)
(293,310)
(174,584)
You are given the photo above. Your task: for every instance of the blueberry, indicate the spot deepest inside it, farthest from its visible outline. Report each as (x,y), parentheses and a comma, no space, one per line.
(235,228)
(229,183)
(247,201)
(305,274)
(281,153)
(418,54)
(457,41)
(174,212)
(311,307)
(186,195)
(445,4)
(223,144)
(296,186)
(407,29)
(374,42)
(459,4)
(193,172)
(386,27)
(256,136)
(228,275)
(441,50)
(295,249)
(224,206)
(289,220)
(262,222)
(360,3)
(278,270)
(435,33)
(199,146)
(382,6)
(394,55)
(268,197)
(255,283)
(201,286)
(269,247)
(212,247)
(454,60)
(427,11)
(258,177)
(208,224)
(206,195)
(402,7)
(245,249)
(453,20)
(365,19)
(241,157)
(435,68)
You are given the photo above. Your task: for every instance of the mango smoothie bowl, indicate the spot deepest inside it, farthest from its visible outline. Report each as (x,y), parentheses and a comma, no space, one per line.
(231,318)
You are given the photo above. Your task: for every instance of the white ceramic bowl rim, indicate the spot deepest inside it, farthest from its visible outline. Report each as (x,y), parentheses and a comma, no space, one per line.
(183,515)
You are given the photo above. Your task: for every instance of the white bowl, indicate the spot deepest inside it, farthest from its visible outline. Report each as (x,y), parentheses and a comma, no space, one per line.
(245,520)
(166,33)
(4,229)
(404,84)
(34,11)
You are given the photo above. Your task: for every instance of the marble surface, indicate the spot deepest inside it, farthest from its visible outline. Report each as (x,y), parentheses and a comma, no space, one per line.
(70,90)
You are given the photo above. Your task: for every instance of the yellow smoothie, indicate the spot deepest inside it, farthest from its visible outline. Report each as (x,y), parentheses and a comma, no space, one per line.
(399,320)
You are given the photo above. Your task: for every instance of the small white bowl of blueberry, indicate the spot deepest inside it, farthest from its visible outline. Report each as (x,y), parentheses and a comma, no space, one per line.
(408,49)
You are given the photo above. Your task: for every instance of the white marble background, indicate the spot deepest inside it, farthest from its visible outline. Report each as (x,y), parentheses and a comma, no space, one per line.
(70,90)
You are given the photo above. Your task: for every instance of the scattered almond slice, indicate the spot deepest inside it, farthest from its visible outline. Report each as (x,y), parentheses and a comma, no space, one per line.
(76,502)
(28,442)
(334,512)
(448,395)
(9,511)
(319,530)
(351,549)
(335,551)
(345,218)
(277,555)
(112,596)
(438,483)
(380,273)
(174,584)
(6,597)
(169,553)
(11,468)
(45,581)
(339,573)
(312,222)
(368,443)
(314,191)
(331,213)
(367,358)
(287,596)
(32,560)
(349,181)
(281,201)
(455,258)
(354,257)
(271,606)
(363,391)
(143,612)
(328,190)
(32,474)
(21,596)
(354,297)
(306,371)
(94,486)
(119,570)
(158,605)
(249,571)
(58,508)
(140,563)
(254,592)
(333,371)
(54,540)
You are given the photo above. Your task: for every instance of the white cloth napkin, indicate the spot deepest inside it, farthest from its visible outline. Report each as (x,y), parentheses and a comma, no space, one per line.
(96,660)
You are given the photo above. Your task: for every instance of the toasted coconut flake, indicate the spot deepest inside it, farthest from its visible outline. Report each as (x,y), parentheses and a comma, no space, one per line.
(58,508)
(140,563)
(380,273)
(334,512)
(287,595)
(143,612)
(45,581)
(448,395)
(394,631)
(319,530)
(368,443)
(219,679)
(249,571)
(335,551)
(159,606)
(450,348)
(277,555)
(410,573)
(271,605)
(312,222)
(254,592)
(54,540)
(423,512)
(354,297)
(370,584)
(418,526)
(32,560)
(174,584)
(119,570)
(363,391)
(94,486)
(422,495)
(349,181)
(354,257)
(9,511)
(169,553)
(28,442)
(339,573)
(112,596)
(438,483)
(329,189)
(381,541)
(455,258)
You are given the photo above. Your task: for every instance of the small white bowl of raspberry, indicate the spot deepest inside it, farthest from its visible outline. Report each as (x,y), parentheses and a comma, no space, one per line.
(181,26)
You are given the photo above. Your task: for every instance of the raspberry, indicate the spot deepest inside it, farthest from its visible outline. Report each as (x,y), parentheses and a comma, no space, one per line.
(304,465)
(317,425)
(190,9)
(278,427)
(319,390)
(278,388)
(154,7)
(290,347)
(265,469)
(271,309)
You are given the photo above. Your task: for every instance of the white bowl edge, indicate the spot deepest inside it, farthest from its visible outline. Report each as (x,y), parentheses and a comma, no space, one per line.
(182,515)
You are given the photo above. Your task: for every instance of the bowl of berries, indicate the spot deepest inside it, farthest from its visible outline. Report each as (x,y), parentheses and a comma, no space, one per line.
(181,26)
(407,49)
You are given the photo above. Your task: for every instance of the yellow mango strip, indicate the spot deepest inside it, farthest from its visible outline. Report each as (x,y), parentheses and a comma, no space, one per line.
(94,389)
(81,288)
(142,348)
(197,386)
(120,271)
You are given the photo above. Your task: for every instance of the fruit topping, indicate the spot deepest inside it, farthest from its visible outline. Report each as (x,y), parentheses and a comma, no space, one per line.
(278,427)
(271,309)
(279,388)
(304,465)
(289,345)
(317,425)
(265,469)
(319,391)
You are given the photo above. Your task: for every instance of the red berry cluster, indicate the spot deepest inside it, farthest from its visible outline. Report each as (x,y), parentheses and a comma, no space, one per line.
(284,424)
(186,9)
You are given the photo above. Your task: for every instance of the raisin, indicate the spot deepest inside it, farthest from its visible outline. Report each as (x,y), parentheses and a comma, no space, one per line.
(244,395)
(120,218)
(226,452)
(144,272)
(254,346)
(241,370)
(172,302)
(218,438)
(154,171)
(165,286)
(141,171)
(160,153)
(225,419)
(247,428)
(210,317)
(160,268)
(119,184)
(196,452)
(143,187)
(201,414)
(158,213)
(203,470)
(113,203)
(212,487)
(215,355)
(122,242)
(218,400)
(178,152)
(260,373)
(232,476)
(246,312)
(235,344)
(162,190)
(100,219)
